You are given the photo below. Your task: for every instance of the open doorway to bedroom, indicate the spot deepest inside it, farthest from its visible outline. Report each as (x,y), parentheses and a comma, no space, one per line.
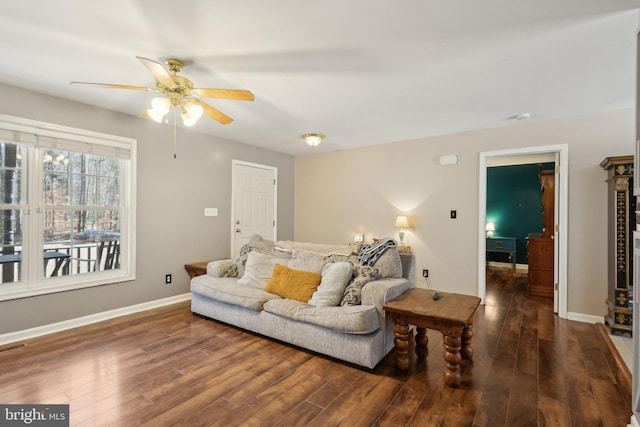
(517,221)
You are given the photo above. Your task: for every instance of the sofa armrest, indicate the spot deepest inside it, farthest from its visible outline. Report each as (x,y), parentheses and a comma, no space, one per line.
(218,268)
(382,291)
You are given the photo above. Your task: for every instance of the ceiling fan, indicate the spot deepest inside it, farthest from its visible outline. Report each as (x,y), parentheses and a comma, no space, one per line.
(179,92)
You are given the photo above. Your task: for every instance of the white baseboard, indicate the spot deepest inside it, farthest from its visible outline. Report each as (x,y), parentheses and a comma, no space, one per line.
(87,320)
(634,422)
(585,318)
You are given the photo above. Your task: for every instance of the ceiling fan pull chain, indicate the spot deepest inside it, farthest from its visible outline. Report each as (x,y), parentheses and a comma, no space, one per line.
(175,119)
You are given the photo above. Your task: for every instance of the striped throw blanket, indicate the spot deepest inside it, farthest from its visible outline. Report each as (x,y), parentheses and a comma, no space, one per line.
(369,254)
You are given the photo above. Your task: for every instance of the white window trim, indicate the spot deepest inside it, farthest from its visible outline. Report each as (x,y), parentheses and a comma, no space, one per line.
(28,288)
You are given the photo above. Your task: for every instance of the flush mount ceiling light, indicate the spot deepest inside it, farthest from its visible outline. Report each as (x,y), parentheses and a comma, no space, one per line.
(313,139)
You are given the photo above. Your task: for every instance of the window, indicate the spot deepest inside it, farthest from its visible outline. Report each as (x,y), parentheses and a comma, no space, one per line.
(67,211)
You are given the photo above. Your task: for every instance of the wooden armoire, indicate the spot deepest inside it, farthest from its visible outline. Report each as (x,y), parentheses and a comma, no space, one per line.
(620,225)
(540,249)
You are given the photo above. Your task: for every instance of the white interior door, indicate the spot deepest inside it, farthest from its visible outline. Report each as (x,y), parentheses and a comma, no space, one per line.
(254,203)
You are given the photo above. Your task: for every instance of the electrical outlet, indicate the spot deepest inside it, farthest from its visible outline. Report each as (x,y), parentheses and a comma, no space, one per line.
(425,273)
(167,279)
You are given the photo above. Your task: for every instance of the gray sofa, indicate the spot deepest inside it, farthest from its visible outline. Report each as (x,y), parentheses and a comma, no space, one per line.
(359,334)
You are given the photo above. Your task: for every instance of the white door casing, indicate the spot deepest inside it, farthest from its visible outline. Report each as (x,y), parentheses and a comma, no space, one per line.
(556,235)
(253,204)
(561,218)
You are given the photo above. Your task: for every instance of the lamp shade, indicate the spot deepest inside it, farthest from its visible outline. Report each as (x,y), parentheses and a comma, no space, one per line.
(490,228)
(402,222)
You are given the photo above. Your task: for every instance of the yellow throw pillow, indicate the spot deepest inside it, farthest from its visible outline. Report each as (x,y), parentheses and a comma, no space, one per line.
(293,284)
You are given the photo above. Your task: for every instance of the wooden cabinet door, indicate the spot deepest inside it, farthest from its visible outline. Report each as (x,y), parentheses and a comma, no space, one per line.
(541,266)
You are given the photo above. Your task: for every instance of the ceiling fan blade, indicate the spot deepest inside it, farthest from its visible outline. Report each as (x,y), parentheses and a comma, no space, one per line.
(112,86)
(213,113)
(239,95)
(159,72)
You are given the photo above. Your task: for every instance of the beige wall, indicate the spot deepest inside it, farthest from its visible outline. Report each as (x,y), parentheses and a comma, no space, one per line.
(172,194)
(336,195)
(341,193)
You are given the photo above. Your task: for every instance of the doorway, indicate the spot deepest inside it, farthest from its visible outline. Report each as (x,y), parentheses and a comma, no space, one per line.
(560,152)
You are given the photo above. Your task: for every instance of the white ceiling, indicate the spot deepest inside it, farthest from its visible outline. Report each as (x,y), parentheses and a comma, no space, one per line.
(362,72)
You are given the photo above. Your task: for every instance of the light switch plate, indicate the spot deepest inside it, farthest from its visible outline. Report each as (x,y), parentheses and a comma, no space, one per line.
(210,211)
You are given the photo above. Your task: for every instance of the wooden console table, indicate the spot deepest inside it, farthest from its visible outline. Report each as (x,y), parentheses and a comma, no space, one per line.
(452,315)
(196,269)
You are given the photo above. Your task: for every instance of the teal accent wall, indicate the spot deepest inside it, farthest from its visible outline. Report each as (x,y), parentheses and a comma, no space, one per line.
(513,205)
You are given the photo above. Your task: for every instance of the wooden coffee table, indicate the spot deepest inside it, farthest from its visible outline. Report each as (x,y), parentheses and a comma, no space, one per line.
(452,315)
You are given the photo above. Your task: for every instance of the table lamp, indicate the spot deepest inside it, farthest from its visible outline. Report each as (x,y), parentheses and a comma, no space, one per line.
(402,223)
(490,228)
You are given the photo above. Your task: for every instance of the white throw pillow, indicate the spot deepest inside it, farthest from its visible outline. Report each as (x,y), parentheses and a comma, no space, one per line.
(259,269)
(335,278)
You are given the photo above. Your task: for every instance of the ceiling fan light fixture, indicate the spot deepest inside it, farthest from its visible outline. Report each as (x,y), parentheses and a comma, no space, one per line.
(191,112)
(161,105)
(154,115)
(179,92)
(159,109)
(313,139)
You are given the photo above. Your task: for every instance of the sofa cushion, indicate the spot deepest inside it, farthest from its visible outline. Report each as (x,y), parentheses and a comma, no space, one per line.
(362,319)
(295,284)
(319,248)
(363,274)
(389,264)
(260,244)
(335,277)
(259,269)
(267,247)
(228,291)
(307,261)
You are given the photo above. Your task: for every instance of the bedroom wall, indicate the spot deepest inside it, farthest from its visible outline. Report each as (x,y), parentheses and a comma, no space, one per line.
(514,205)
(172,194)
(362,190)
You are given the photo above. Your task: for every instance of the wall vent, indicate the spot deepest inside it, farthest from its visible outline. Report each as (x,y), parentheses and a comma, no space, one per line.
(12,347)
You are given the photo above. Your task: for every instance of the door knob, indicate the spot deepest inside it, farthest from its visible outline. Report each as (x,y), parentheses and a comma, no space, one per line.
(238,230)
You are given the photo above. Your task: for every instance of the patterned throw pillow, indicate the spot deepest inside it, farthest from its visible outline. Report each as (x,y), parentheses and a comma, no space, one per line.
(362,274)
(237,268)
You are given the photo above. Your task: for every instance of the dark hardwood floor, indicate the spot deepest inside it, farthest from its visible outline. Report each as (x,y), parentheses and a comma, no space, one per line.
(167,367)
